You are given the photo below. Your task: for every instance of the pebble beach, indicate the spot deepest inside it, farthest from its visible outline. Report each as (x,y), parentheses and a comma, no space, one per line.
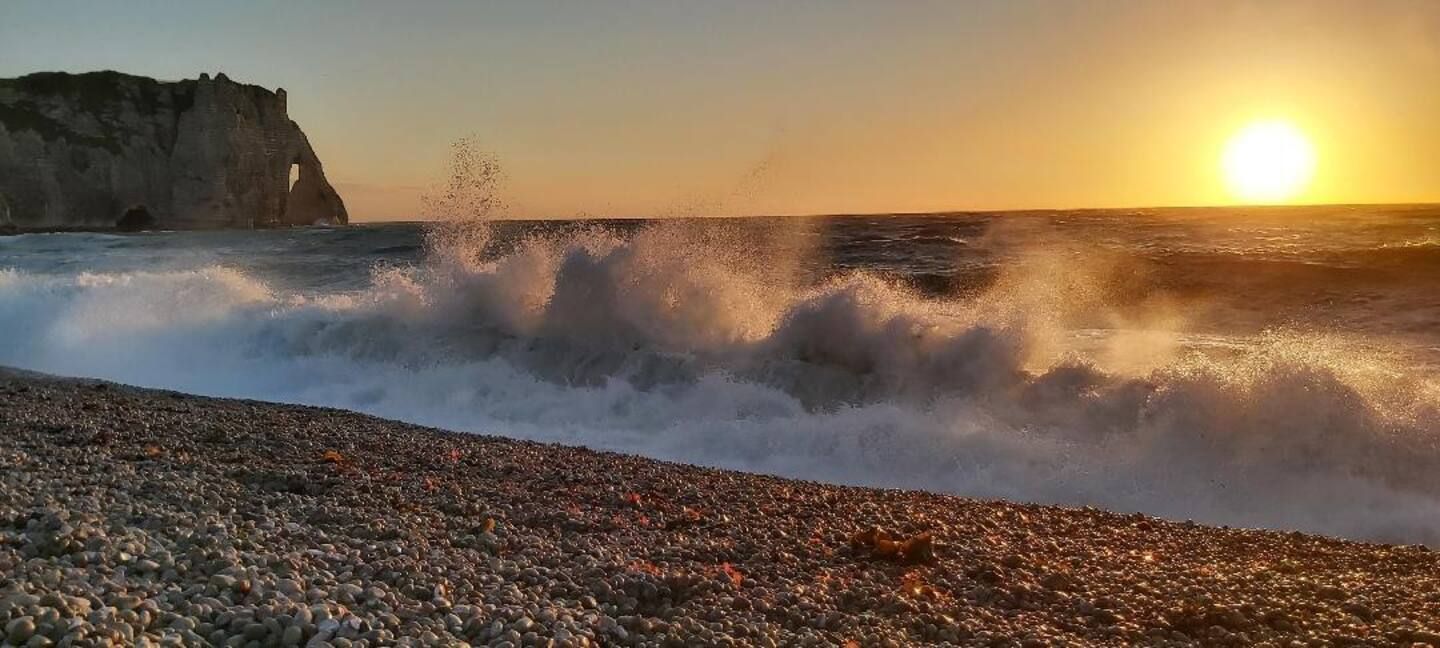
(132,517)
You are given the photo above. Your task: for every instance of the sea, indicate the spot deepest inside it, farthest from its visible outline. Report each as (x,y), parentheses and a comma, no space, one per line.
(1257,367)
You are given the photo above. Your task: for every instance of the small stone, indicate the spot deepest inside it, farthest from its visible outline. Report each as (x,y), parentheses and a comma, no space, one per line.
(255,631)
(223,582)
(19,630)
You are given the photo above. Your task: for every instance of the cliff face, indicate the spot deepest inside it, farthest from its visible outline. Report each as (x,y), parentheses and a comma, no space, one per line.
(105,149)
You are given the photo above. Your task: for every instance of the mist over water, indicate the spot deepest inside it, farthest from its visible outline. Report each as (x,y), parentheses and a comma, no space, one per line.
(1271,369)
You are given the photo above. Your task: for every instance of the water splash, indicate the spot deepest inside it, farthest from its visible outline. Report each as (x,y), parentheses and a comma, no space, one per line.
(707,345)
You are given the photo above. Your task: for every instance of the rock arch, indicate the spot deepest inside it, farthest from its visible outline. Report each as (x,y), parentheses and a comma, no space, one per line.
(310,199)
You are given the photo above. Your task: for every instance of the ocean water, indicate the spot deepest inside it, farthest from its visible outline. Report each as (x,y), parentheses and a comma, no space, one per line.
(1257,367)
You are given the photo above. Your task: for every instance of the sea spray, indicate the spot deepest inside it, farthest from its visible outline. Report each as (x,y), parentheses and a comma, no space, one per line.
(689,343)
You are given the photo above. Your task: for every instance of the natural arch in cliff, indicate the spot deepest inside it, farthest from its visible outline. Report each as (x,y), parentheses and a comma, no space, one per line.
(311,201)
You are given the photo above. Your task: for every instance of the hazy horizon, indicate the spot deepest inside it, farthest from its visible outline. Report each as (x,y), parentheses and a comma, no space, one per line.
(1299,208)
(651,110)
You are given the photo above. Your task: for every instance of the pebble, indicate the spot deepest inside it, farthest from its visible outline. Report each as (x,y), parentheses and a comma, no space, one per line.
(261,525)
(19,630)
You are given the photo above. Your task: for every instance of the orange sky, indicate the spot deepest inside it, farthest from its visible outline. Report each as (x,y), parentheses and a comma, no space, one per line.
(653,109)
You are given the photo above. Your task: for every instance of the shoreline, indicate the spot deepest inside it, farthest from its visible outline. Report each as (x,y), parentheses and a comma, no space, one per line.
(141,516)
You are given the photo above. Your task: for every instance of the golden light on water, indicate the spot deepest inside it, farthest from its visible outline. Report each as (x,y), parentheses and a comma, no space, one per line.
(1268,162)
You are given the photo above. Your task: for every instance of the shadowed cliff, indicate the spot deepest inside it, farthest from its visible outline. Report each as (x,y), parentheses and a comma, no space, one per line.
(112,150)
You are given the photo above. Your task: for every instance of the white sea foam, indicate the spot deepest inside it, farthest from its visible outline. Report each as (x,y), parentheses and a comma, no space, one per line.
(702,349)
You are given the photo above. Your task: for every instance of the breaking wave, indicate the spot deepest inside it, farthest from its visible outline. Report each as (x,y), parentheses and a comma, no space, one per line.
(685,344)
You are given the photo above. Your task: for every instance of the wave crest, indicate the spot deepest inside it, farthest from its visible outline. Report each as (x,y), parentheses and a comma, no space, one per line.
(691,344)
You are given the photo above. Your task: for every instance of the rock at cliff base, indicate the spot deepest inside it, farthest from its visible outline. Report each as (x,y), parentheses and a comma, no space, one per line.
(136,219)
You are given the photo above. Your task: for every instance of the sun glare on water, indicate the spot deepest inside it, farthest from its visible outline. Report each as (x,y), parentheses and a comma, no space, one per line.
(1268,162)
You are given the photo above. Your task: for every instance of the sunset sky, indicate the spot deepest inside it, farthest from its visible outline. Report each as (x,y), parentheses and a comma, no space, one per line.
(698,108)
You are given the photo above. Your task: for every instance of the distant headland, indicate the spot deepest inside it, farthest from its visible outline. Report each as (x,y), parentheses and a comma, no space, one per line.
(106,150)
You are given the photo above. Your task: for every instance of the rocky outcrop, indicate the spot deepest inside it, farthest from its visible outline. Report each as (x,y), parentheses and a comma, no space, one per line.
(111,150)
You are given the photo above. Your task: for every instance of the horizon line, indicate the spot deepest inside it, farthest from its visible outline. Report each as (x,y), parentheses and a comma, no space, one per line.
(945,212)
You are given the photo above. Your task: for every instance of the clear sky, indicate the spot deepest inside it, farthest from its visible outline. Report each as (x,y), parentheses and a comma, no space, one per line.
(674,107)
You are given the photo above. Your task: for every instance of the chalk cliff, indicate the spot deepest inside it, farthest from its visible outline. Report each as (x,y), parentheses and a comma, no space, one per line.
(105,149)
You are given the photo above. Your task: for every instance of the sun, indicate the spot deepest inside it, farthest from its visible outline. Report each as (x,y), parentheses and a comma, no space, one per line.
(1268,162)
